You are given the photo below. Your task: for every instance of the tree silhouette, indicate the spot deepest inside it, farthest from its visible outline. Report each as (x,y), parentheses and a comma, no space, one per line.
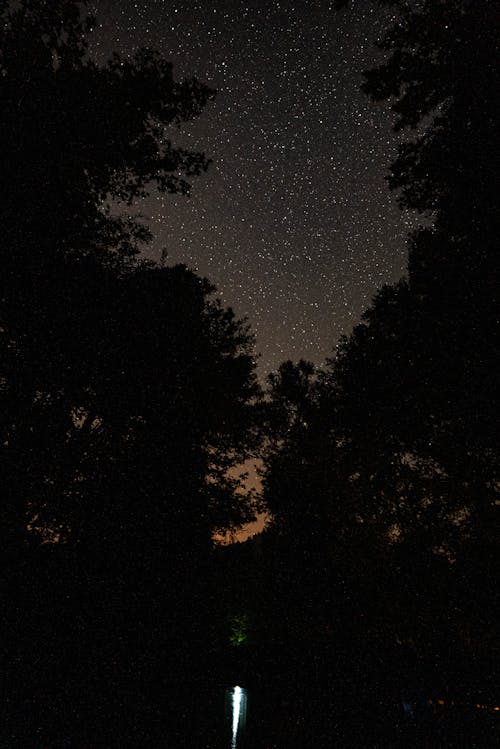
(413,389)
(104,131)
(128,393)
(76,137)
(440,77)
(389,462)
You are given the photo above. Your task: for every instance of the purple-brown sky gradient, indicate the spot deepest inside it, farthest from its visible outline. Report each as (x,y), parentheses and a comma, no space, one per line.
(294,221)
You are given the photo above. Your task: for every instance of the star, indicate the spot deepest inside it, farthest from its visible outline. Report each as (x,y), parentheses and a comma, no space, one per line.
(294,221)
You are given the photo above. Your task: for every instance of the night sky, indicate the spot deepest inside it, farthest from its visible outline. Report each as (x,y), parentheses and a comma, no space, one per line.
(294,221)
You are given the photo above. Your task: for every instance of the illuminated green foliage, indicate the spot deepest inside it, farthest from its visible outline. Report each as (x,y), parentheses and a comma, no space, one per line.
(239,630)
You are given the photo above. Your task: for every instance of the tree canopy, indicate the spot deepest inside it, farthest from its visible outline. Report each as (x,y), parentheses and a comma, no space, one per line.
(127,390)
(77,135)
(107,345)
(411,394)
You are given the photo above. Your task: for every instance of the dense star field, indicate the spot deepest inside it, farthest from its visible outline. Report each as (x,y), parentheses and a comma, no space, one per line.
(294,221)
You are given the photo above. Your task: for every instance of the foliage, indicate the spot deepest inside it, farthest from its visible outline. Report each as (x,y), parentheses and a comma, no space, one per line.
(127,391)
(401,433)
(239,630)
(104,131)
(112,358)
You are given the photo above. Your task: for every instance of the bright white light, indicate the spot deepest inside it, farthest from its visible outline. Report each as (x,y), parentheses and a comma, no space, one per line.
(236,714)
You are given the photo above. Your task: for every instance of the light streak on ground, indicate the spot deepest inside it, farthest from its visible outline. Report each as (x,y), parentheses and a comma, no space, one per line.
(236,714)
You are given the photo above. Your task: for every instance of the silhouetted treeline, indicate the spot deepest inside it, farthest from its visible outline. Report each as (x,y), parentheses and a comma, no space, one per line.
(382,468)
(127,394)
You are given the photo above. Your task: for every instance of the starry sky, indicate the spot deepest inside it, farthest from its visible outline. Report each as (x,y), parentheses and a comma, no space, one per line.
(293,222)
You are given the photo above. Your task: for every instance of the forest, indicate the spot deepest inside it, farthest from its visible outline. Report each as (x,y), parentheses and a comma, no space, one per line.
(366,613)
